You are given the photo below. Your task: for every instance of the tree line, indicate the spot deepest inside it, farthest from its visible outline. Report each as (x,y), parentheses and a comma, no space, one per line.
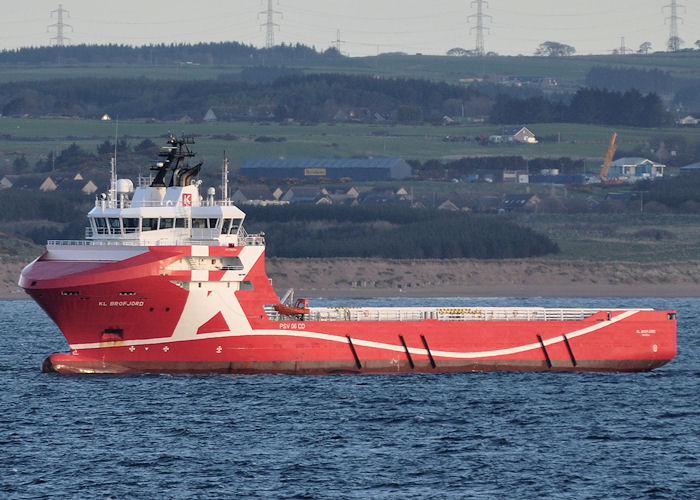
(687,99)
(389,232)
(74,158)
(680,193)
(42,216)
(166,54)
(621,79)
(302,97)
(314,98)
(26,204)
(593,106)
(313,231)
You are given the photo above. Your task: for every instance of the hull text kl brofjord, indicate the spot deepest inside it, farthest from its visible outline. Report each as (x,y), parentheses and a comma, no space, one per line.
(169,281)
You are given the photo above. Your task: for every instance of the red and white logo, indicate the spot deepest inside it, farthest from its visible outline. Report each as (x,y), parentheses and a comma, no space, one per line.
(186,199)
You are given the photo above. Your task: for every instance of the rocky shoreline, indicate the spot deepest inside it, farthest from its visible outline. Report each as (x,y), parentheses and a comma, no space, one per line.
(462,277)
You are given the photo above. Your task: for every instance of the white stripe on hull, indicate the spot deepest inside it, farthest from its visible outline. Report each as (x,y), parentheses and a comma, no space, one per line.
(364,343)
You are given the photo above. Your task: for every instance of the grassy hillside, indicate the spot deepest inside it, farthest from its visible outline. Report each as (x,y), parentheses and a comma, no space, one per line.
(569,71)
(14,249)
(35,138)
(642,238)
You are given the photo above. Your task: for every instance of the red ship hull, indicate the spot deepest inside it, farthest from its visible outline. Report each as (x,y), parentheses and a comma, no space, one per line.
(142,312)
(269,353)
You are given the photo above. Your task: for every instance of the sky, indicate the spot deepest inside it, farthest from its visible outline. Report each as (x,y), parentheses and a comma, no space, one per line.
(364,27)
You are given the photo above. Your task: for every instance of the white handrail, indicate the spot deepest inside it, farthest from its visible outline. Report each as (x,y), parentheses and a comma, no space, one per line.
(119,240)
(443,314)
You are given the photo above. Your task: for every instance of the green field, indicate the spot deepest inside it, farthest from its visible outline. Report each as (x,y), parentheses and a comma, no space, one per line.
(37,137)
(570,72)
(623,237)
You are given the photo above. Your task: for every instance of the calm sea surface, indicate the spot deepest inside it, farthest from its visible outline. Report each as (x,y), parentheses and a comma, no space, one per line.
(472,435)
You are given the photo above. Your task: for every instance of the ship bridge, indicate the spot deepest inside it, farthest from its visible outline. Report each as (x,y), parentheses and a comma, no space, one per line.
(167,209)
(168,216)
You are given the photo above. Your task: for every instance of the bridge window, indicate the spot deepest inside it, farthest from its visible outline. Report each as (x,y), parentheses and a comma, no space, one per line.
(166,223)
(101,225)
(225,226)
(199,223)
(115,225)
(180,223)
(149,224)
(213,223)
(131,224)
(236,225)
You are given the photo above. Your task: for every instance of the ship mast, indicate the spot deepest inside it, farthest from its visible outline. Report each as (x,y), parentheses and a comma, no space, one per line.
(113,169)
(224,179)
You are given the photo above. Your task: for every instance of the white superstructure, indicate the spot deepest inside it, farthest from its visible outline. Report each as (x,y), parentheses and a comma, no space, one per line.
(165,211)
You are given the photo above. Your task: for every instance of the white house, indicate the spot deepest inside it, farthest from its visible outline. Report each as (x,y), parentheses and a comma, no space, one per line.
(522,135)
(29,181)
(635,168)
(89,188)
(210,116)
(688,121)
(48,185)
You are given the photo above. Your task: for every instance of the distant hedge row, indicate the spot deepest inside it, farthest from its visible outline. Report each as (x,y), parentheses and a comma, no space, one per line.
(159,54)
(25,204)
(680,193)
(595,106)
(324,232)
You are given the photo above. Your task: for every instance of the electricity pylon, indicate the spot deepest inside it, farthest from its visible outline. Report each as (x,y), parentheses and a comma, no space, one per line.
(674,41)
(59,39)
(270,24)
(479,28)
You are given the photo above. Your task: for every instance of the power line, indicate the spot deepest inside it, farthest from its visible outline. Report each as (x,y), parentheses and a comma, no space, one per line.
(623,49)
(338,41)
(59,25)
(674,41)
(479,28)
(270,24)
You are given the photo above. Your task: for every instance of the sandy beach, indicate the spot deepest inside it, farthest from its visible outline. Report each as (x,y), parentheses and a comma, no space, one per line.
(460,278)
(478,278)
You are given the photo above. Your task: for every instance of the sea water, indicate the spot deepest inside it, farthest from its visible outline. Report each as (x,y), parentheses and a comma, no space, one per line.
(471,435)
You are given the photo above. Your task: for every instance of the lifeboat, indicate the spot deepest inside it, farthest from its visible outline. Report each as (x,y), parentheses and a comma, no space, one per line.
(299,309)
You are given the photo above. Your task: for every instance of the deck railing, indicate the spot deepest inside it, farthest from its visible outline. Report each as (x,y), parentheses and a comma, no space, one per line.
(439,314)
(241,240)
(126,202)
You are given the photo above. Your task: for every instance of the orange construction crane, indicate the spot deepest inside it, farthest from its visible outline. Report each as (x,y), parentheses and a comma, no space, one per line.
(608,158)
